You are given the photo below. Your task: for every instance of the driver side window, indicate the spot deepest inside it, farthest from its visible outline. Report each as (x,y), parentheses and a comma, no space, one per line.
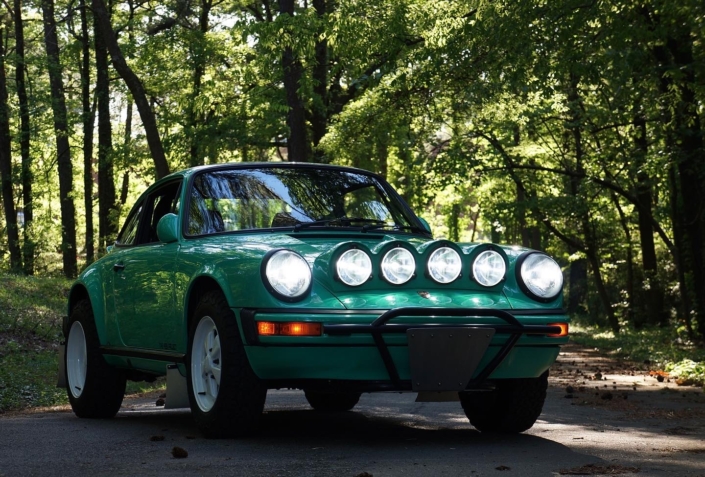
(128,235)
(141,225)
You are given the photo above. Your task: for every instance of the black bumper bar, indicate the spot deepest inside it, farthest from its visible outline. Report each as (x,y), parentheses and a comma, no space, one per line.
(381,326)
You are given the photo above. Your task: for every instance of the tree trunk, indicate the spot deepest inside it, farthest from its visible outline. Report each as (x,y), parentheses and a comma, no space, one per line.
(676,205)
(107,208)
(13,238)
(319,113)
(521,217)
(135,86)
(602,291)
(574,127)
(195,119)
(382,153)
(624,221)
(691,170)
(653,312)
(88,117)
(298,148)
(577,284)
(124,188)
(452,221)
(68,211)
(27,175)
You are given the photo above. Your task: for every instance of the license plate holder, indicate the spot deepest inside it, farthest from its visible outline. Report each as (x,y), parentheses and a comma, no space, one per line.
(444,359)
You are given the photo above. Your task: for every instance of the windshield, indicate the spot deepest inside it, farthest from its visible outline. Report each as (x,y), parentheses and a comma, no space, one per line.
(297,198)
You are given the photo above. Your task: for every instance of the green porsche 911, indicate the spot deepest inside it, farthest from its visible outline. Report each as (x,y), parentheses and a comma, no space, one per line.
(234,279)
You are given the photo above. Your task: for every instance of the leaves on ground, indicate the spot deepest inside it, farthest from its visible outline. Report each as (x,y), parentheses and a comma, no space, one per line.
(596,469)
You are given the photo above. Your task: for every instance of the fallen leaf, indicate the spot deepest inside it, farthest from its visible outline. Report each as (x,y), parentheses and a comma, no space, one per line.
(503,467)
(156,438)
(179,453)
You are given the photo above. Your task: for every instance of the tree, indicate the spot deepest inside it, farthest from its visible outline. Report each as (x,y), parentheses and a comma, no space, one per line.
(135,86)
(13,240)
(68,212)
(29,245)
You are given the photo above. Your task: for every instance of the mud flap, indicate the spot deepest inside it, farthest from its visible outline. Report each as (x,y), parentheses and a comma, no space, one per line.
(176,392)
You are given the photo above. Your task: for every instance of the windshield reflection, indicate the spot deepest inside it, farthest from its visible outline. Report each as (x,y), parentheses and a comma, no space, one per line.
(298,198)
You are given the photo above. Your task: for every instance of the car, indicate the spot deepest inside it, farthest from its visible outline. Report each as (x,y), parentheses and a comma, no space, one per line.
(234,279)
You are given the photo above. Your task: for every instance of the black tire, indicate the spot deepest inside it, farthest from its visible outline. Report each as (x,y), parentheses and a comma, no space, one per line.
(331,401)
(103,386)
(234,409)
(512,407)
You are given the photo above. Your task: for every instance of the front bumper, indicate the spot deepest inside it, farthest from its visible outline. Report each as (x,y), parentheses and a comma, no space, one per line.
(369,350)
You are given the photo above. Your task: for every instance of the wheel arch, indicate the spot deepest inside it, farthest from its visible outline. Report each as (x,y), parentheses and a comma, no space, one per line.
(81,291)
(199,287)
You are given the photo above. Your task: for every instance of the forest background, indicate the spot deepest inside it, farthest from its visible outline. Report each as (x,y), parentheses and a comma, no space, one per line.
(571,126)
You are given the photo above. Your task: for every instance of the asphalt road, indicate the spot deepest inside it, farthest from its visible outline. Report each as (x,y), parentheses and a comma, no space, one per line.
(658,429)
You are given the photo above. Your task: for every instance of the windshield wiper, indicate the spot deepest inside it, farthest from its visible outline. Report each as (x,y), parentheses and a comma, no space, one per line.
(344,220)
(411,228)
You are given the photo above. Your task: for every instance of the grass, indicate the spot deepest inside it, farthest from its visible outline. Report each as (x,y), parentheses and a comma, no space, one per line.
(30,332)
(666,349)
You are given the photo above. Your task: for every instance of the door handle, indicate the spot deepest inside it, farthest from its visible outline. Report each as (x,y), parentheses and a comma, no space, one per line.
(119,266)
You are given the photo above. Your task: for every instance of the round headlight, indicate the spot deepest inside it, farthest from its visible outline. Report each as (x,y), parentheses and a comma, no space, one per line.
(489,268)
(398,266)
(288,274)
(542,276)
(444,265)
(354,267)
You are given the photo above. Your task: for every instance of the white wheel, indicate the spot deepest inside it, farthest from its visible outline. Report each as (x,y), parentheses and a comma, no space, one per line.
(95,389)
(76,359)
(225,395)
(206,364)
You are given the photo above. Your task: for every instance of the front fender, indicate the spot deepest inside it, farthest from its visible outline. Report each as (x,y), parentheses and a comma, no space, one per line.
(241,283)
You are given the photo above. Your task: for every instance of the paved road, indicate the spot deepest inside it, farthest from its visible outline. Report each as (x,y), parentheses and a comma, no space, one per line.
(659,429)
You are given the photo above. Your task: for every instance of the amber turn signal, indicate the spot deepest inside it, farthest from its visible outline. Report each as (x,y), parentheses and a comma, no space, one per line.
(266,328)
(563,327)
(269,328)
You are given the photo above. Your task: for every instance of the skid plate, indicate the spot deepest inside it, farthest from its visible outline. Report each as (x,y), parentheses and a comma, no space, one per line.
(445,359)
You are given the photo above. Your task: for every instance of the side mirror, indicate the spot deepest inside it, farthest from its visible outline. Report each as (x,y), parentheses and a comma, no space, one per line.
(425,224)
(168,228)
(109,248)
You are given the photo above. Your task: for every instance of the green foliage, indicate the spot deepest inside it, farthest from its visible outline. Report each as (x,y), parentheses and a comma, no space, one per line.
(32,307)
(30,330)
(688,371)
(28,378)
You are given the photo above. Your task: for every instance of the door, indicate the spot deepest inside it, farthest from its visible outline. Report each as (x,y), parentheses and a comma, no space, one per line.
(143,285)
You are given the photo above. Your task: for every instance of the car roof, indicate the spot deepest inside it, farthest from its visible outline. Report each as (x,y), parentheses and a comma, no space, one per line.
(255,165)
